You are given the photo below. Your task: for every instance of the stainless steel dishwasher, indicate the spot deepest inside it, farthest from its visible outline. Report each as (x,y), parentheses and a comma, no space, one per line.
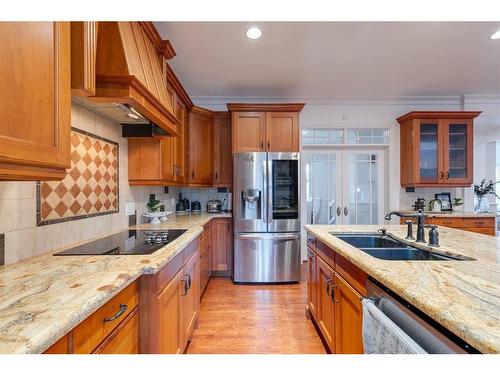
(431,336)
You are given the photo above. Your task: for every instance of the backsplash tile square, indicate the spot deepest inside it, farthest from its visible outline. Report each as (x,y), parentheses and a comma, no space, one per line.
(89,189)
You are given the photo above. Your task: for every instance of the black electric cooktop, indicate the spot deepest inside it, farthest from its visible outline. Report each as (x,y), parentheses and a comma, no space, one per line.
(129,242)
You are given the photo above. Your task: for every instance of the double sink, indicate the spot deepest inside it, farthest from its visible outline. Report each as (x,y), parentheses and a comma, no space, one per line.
(388,248)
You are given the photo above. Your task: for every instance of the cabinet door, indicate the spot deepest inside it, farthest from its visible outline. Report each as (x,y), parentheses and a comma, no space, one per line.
(312,281)
(168,168)
(282,131)
(191,297)
(170,323)
(35,100)
(429,161)
(83,57)
(222,244)
(200,149)
(348,318)
(180,142)
(325,307)
(249,131)
(144,160)
(222,152)
(457,151)
(124,339)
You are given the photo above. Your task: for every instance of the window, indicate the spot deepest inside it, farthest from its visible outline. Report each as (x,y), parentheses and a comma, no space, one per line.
(367,136)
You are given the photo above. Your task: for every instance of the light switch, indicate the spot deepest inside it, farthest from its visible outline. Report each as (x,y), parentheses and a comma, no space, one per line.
(129,208)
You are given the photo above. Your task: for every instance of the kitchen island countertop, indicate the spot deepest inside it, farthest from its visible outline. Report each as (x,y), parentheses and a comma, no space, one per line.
(463,296)
(44,297)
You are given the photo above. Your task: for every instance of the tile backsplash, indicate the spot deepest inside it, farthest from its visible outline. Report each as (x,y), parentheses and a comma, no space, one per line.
(203,195)
(407,200)
(23,238)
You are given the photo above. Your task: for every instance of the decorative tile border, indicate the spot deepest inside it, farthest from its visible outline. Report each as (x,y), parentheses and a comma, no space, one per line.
(91,187)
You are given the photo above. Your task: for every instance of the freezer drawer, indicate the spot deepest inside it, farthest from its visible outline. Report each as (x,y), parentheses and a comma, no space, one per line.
(267,257)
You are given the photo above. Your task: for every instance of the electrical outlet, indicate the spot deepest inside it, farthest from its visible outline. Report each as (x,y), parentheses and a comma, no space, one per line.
(129,208)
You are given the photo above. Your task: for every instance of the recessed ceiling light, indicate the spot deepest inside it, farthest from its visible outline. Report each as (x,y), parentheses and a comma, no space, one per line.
(495,35)
(254,32)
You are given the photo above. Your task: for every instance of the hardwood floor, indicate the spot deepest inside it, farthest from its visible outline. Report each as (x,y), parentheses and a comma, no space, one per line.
(240,319)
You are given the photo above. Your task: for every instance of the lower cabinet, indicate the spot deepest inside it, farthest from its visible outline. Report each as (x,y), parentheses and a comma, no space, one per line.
(222,245)
(206,256)
(170,303)
(334,303)
(483,225)
(325,317)
(112,329)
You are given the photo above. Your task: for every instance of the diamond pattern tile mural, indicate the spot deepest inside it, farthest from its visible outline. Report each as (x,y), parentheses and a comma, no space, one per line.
(89,189)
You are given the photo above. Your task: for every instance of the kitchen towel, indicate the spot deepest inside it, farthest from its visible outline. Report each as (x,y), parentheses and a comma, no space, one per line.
(382,336)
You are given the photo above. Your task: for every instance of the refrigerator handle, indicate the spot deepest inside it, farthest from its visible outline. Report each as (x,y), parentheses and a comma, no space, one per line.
(264,191)
(269,190)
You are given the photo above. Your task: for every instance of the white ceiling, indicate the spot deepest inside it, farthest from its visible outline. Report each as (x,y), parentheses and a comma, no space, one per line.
(328,60)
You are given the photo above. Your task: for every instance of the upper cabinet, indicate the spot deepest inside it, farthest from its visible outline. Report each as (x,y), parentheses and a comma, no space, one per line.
(83,55)
(436,148)
(222,169)
(35,100)
(200,147)
(265,127)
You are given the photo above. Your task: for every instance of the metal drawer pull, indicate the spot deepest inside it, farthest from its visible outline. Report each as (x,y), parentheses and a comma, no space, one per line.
(189,281)
(119,313)
(185,287)
(328,287)
(333,293)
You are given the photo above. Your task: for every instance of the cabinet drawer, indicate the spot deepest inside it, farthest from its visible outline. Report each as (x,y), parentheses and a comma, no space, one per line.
(311,241)
(488,231)
(124,339)
(451,222)
(326,253)
(92,331)
(352,274)
(484,222)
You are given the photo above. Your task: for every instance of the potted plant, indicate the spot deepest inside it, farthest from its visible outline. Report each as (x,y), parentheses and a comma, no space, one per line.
(481,201)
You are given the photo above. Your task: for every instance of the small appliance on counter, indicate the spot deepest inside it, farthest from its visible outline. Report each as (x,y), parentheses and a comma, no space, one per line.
(214,206)
(419,204)
(195,207)
(435,205)
(180,208)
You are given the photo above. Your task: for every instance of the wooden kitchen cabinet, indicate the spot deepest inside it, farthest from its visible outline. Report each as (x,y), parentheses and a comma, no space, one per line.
(483,225)
(200,147)
(349,317)
(123,340)
(325,309)
(170,303)
(191,301)
(223,170)
(312,285)
(83,57)
(335,290)
(206,256)
(60,347)
(436,148)
(35,72)
(265,127)
(222,245)
(282,131)
(171,337)
(249,131)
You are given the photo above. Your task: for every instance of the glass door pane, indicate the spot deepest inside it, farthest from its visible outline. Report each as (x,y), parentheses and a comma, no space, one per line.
(429,169)
(321,188)
(362,188)
(457,151)
(285,185)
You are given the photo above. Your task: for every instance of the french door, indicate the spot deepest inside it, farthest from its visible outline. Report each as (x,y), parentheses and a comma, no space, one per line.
(344,186)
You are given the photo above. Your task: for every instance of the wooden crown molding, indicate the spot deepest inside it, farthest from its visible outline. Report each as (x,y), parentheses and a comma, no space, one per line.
(438,115)
(163,47)
(176,85)
(265,107)
(202,111)
(222,114)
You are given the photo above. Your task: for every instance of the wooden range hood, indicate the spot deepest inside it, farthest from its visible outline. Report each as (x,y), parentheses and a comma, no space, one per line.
(128,71)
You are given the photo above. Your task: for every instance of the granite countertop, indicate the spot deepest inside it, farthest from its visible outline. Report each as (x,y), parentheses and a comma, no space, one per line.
(453,213)
(463,296)
(44,297)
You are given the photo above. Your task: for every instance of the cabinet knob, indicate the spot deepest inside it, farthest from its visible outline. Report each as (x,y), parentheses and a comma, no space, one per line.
(192,174)
(440,175)
(261,145)
(447,175)
(268,145)
(216,176)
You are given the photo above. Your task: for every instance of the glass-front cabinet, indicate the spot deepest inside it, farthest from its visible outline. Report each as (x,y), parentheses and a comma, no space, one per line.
(436,148)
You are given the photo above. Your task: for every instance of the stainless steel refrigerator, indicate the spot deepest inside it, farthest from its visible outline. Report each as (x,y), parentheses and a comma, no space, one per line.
(266,217)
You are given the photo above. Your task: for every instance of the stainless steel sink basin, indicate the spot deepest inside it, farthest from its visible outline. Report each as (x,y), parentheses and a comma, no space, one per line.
(387,248)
